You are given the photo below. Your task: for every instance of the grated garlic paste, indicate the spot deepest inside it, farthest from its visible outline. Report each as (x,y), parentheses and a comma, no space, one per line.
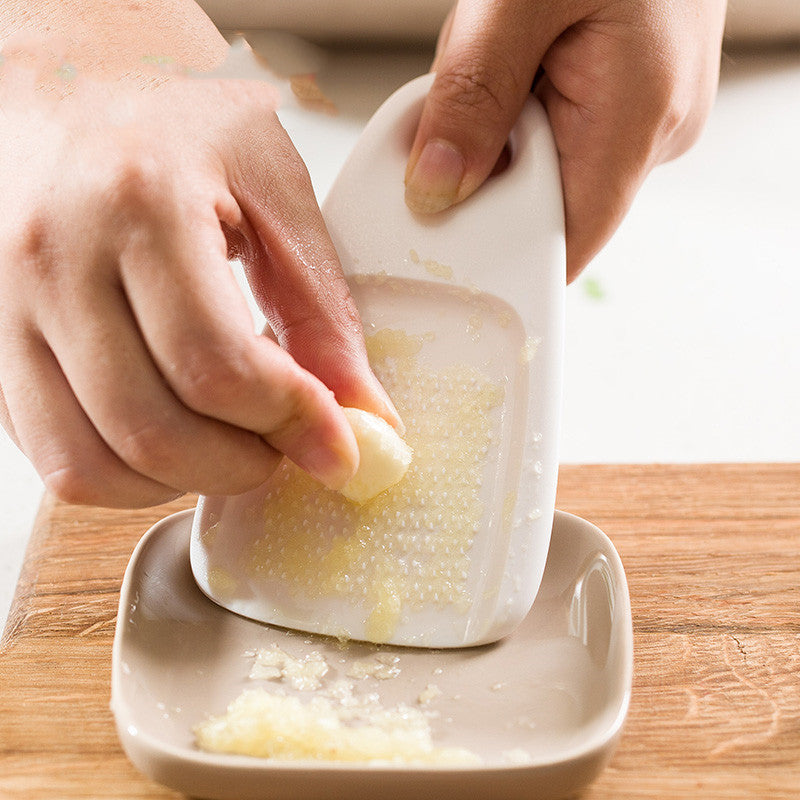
(326,723)
(286,728)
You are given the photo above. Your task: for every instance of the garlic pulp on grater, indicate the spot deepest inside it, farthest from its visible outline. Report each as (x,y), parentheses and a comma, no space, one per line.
(408,547)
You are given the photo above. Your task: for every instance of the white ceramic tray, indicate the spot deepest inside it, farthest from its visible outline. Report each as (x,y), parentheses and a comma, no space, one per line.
(557,689)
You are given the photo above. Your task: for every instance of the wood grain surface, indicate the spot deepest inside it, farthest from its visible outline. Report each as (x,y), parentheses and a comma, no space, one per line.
(712,554)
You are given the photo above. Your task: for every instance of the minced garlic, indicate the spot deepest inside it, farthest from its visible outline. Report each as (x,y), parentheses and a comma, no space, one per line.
(287,728)
(325,722)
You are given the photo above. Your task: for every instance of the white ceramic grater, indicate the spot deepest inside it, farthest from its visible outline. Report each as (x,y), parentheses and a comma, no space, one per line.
(478,291)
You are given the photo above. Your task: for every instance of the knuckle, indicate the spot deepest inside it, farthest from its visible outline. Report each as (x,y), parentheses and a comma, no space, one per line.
(329,318)
(301,405)
(131,180)
(32,245)
(292,178)
(670,107)
(210,380)
(271,184)
(477,84)
(308,332)
(338,289)
(78,486)
(151,449)
(689,112)
(32,235)
(69,484)
(297,173)
(349,326)
(676,118)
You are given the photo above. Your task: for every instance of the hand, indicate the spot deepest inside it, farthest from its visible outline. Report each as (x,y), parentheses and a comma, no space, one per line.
(129,368)
(626,85)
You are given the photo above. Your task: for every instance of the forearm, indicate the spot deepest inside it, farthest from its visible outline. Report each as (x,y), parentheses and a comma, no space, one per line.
(114,38)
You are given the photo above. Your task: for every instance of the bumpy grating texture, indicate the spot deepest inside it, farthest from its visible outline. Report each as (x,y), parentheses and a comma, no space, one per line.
(409,546)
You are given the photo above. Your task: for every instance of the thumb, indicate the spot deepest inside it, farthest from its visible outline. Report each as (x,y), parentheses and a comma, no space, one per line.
(486,61)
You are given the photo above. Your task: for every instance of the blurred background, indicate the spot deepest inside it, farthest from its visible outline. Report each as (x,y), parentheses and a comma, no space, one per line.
(683,340)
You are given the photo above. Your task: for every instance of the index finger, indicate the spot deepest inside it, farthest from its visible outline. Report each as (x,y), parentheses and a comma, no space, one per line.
(296,276)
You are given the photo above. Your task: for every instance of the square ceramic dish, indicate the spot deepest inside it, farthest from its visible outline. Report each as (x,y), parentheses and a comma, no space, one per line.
(542,709)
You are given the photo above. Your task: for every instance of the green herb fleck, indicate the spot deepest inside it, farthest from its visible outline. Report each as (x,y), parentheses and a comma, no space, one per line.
(593,289)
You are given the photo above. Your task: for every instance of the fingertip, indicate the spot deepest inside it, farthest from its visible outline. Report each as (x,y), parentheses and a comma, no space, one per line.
(433,179)
(400,426)
(391,414)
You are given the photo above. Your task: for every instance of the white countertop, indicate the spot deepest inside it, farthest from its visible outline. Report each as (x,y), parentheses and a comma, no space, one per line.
(683,340)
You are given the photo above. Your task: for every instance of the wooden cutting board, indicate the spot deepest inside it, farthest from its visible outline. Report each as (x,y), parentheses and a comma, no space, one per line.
(712,555)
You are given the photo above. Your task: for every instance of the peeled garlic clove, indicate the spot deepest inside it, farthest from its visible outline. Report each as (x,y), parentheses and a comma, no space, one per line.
(383,456)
